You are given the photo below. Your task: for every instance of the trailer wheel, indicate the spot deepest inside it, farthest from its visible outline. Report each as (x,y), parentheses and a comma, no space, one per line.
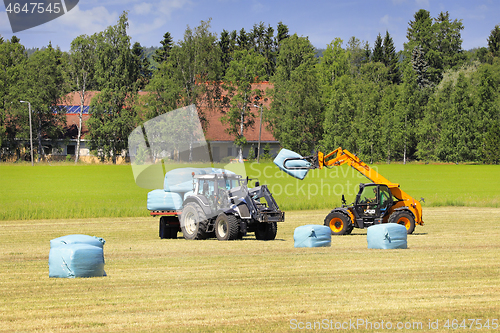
(339,223)
(405,218)
(167,230)
(193,222)
(226,227)
(266,231)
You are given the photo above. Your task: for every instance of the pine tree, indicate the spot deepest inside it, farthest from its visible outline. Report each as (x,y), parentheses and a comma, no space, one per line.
(143,72)
(494,41)
(447,44)
(440,40)
(269,51)
(243,40)
(390,58)
(161,55)
(282,32)
(367,52)
(420,67)
(378,51)
(226,50)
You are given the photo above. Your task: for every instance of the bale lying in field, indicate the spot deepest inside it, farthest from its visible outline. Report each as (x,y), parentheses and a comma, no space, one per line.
(312,236)
(76,256)
(387,236)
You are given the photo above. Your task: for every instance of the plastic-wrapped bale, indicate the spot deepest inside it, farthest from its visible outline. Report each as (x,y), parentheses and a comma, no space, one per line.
(76,256)
(77,239)
(387,236)
(188,194)
(312,235)
(161,200)
(181,179)
(284,154)
(218,170)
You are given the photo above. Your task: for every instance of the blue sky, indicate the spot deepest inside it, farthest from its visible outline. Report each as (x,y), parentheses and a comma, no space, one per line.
(321,21)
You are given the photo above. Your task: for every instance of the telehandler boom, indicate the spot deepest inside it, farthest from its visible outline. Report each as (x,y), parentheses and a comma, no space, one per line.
(378,202)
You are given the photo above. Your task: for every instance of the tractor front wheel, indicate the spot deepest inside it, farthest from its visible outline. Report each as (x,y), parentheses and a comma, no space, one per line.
(339,223)
(404,218)
(227,227)
(266,231)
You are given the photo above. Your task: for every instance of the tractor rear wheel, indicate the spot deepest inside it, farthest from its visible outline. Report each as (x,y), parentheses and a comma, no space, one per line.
(227,227)
(339,223)
(193,222)
(404,218)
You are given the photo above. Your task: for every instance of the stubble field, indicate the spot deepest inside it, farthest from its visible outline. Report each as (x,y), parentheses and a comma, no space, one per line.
(448,275)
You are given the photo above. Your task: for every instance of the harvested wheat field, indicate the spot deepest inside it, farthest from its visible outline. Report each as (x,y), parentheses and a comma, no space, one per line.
(449,275)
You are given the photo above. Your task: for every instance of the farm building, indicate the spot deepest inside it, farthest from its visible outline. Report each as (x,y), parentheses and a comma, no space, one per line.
(220,142)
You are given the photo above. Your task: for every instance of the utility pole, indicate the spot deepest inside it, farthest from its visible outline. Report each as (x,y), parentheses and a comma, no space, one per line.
(260,132)
(31,132)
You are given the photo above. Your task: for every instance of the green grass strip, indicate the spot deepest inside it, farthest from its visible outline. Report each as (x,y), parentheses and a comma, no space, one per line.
(84,191)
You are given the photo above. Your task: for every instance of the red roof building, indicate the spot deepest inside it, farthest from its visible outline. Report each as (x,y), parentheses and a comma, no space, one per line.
(221,143)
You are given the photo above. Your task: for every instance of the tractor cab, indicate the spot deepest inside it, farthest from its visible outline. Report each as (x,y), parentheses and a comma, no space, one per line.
(213,188)
(372,202)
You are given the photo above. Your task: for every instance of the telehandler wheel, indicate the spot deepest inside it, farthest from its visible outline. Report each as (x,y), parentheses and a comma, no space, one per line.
(266,231)
(404,218)
(338,223)
(227,227)
(193,222)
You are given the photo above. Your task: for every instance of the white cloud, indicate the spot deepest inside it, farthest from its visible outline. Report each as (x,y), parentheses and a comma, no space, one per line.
(88,21)
(422,3)
(144,28)
(142,9)
(385,20)
(4,23)
(258,7)
(168,6)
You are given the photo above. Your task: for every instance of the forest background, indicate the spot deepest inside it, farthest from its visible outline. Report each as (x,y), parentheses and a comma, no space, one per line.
(430,101)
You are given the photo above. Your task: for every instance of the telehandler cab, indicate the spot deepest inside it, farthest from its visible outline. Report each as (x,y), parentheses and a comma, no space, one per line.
(378,202)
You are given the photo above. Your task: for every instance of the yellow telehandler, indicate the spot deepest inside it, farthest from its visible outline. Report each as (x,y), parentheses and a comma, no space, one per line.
(378,202)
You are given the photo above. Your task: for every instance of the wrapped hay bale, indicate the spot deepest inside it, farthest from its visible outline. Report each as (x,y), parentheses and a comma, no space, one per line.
(312,235)
(162,200)
(77,239)
(387,236)
(181,179)
(284,154)
(76,256)
(187,194)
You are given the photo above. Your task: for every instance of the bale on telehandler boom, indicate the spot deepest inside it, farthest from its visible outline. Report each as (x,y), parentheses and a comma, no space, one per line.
(390,203)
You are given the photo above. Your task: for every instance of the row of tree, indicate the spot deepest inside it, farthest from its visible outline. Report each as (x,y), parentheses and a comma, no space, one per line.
(430,101)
